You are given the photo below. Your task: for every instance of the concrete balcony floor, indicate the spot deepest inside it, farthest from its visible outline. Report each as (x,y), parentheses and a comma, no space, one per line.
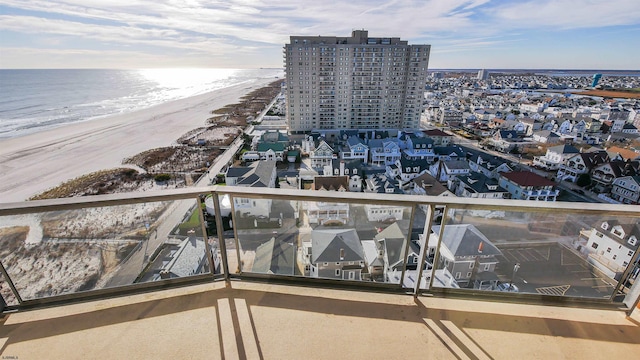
(256,320)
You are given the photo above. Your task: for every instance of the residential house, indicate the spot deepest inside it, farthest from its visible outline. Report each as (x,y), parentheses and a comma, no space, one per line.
(490,166)
(507,140)
(466,253)
(406,169)
(419,148)
(444,170)
(381,183)
(331,183)
(426,184)
(603,175)
(321,213)
(527,185)
(271,151)
(547,137)
(189,258)
(477,185)
(257,174)
(384,152)
(531,125)
(350,168)
(439,137)
(611,246)
(322,155)
(626,190)
(618,153)
(275,257)
(451,152)
(555,157)
(581,163)
(393,244)
(355,149)
(337,254)
(618,119)
(629,129)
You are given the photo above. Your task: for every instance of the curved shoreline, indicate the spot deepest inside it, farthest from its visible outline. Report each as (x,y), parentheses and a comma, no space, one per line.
(36,162)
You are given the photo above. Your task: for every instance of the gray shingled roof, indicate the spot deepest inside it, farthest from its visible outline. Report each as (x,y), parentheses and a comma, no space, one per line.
(275,257)
(465,240)
(328,243)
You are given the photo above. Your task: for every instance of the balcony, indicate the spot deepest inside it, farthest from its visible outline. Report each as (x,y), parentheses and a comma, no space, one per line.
(158,273)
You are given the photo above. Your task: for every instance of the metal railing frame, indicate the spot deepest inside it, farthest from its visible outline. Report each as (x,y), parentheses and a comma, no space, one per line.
(409,201)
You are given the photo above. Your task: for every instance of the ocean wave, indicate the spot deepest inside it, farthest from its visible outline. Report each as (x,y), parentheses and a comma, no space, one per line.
(38,100)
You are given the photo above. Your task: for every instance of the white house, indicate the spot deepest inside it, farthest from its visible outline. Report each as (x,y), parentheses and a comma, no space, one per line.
(384,152)
(612,245)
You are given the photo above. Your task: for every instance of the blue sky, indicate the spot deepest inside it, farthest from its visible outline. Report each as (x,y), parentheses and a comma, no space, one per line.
(558,34)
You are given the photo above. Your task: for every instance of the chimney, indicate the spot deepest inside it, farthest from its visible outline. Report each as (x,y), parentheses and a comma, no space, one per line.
(341,168)
(341,254)
(480,246)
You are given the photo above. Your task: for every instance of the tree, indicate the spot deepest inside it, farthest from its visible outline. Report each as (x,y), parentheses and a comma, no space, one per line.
(583,180)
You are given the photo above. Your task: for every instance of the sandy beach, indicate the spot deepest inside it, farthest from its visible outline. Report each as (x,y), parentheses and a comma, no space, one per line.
(37,162)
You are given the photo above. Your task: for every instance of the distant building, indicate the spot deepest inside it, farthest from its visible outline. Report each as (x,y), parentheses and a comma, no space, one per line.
(483,74)
(356,82)
(596,79)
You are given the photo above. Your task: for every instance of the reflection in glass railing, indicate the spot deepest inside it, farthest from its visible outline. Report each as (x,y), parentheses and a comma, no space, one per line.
(5,291)
(543,253)
(330,240)
(60,252)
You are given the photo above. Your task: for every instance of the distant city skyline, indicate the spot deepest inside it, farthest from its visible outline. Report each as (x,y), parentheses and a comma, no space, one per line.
(464,34)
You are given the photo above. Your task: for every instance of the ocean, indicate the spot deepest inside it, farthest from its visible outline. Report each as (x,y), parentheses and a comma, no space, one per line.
(37,100)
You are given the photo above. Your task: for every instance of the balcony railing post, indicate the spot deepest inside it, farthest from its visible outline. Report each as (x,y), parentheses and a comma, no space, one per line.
(7,278)
(235,233)
(424,249)
(626,273)
(436,257)
(407,244)
(221,241)
(205,237)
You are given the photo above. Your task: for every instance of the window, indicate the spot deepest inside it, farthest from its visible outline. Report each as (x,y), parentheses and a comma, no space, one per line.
(594,245)
(630,253)
(469,274)
(337,272)
(470,265)
(487,267)
(458,275)
(609,250)
(614,257)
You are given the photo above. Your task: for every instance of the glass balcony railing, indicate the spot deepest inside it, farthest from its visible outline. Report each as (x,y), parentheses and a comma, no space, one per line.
(59,250)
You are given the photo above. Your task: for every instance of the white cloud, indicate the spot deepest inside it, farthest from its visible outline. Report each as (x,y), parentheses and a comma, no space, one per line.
(568,14)
(222,28)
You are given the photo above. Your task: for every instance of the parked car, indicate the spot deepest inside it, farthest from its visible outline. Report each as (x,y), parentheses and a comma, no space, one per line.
(507,287)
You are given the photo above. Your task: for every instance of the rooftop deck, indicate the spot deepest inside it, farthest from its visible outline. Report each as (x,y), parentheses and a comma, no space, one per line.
(256,320)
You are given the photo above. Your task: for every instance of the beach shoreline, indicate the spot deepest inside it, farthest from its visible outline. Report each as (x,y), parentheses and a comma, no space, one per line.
(36,162)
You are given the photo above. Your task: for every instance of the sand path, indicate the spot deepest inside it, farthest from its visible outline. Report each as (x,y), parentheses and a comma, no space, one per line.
(37,162)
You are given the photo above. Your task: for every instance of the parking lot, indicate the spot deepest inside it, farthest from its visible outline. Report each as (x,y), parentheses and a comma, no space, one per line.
(551,269)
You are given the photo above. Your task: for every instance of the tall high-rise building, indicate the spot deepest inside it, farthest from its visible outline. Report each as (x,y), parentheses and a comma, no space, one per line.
(483,74)
(356,82)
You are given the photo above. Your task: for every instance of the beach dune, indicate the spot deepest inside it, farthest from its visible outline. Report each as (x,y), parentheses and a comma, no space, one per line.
(33,163)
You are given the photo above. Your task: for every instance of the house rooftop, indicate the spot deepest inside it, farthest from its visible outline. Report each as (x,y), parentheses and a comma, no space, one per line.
(527,178)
